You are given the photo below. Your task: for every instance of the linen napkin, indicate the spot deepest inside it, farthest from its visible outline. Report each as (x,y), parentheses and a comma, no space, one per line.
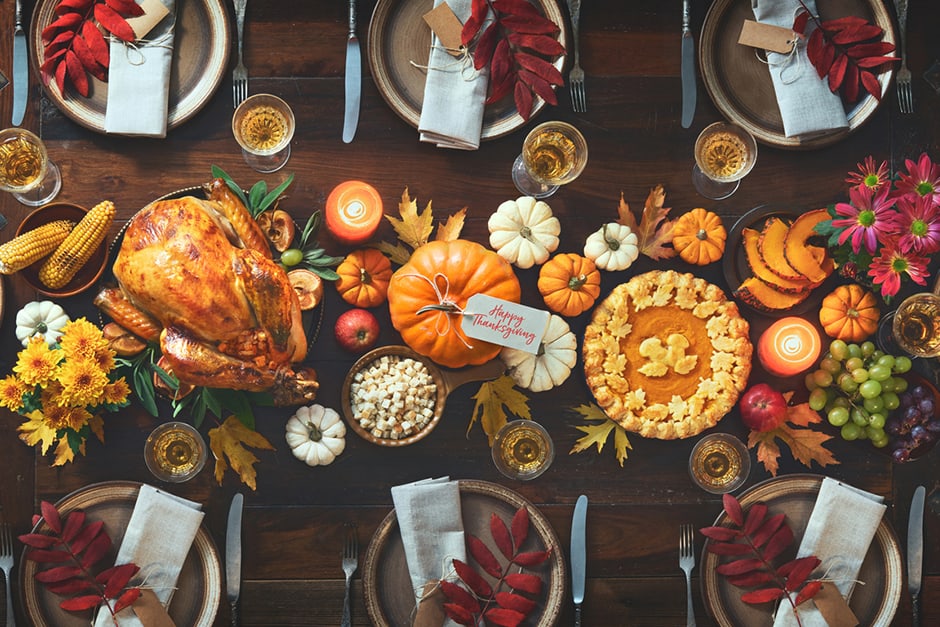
(839,533)
(454,93)
(429,518)
(807,107)
(139,81)
(158,538)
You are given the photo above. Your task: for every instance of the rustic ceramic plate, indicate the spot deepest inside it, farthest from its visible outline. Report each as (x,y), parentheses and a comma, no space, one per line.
(199,590)
(200,58)
(739,83)
(399,37)
(389,597)
(882,573)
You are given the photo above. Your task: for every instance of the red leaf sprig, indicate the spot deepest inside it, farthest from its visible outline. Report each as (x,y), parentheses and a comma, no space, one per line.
(478,599)
(74,46)
(515,45)
(848,50)
(76,546)
(752,543)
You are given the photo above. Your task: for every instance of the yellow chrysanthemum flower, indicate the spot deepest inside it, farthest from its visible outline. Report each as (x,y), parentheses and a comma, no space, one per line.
(36,364)
(12,390)
(105,359)
(81,338)
(82,382)
(116,392)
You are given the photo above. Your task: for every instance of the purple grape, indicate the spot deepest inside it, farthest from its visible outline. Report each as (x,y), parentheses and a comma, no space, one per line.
(906,400)
(918,434)
(933,426)
(893,426)
(919,392)
(901,454)
(926,406)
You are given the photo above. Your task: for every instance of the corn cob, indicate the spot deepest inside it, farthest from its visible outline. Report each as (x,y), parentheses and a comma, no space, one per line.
(78,247)
(33,245)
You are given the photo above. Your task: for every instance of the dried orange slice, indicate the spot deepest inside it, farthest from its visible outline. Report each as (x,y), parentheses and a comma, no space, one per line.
(308,285)
(122,341)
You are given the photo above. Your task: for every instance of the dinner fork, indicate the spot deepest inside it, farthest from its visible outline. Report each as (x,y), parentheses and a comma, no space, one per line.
(687,563)
(6,565)
(576,76)
(903,80)
(350,562)
(240,73)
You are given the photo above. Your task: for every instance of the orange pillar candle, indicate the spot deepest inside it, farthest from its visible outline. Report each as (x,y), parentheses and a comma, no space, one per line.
(353,212)
(790,346)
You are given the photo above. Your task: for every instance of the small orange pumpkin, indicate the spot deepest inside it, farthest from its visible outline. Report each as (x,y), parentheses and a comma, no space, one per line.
(699,237)
(428,295)
(569,284)
(363,277)
(850,313)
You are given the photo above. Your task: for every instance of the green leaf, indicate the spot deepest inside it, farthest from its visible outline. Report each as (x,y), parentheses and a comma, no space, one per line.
(143,388)
(268,200)
(258,191)
(219,173)
(213,403)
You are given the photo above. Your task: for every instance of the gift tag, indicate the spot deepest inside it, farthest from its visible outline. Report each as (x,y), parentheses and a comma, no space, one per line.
(501,322)
(768,37)
(445,24)
(154,12)
(833,607)
(430,611)
(150,611)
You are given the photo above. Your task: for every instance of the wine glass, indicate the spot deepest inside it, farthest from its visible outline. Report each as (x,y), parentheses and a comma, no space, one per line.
(175,452)
(916,325)
(25,168)
(724,154)
(523,450)
(553,154)
(263,126)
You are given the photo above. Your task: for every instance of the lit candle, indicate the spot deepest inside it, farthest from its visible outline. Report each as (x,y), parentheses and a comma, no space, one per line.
(790,346)
(353,212)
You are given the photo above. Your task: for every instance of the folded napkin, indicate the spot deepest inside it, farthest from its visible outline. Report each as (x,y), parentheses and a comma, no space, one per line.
(429,518)
(158,538)
(839,533)
(807,107)
(454,93)
(139,81)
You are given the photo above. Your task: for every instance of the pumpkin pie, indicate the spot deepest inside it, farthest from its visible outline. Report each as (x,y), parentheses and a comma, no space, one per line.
(666,354)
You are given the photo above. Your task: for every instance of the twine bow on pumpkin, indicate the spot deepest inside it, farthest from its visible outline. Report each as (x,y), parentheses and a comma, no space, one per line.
(444,305)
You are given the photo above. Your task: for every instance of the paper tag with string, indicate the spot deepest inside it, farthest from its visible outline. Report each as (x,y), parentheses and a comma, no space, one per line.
(504,323)
(154,12)
(446,25)
(768,37)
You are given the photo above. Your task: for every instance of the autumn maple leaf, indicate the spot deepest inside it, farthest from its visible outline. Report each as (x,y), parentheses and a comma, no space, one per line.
(414,228)
(598,432)
(806,445)
(228,442)
(653,232)
(492,401)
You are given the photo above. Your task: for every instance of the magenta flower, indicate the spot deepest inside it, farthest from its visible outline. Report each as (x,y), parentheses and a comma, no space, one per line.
(918,224)
(888,267)
(867,219)
(869,176)
(922,178)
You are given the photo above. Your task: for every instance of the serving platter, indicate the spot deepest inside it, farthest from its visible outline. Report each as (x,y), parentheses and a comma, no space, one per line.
(199,587)
(399,44)
(874,603)
(739,83)
(390,600)
(200,57)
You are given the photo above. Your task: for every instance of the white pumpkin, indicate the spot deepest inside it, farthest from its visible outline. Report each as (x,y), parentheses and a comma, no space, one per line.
(316,435)
(524,232)
(552,365)
(43,318)
(612,247)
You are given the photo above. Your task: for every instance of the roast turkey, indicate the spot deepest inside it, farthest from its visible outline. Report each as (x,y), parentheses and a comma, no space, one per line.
(197,276)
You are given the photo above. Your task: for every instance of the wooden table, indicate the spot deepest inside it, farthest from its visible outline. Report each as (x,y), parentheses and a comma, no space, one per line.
(293,522)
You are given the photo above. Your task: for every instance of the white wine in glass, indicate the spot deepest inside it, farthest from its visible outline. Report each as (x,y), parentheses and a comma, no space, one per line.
(916,326)
(263,126)
(25,168)
(724,154)
(553,154)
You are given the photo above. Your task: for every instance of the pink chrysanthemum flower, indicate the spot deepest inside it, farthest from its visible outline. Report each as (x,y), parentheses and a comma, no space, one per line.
(922,178)
(869,176)
(867,219)
(919,224)
(887,269)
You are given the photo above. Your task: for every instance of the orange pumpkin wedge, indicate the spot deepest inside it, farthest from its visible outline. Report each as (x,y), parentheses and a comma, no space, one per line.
(806,259)
(762,271)
(770,247)
(761,295)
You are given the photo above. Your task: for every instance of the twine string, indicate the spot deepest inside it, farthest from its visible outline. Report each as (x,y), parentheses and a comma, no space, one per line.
(445,305)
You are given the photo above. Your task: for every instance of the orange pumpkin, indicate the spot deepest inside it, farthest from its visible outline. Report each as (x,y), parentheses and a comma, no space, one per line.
(569,284)
(427,295)
(699,237)
(850,313)
(363,277)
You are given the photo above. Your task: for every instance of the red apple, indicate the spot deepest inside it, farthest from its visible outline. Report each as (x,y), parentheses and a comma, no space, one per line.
(763,408)
(357,330)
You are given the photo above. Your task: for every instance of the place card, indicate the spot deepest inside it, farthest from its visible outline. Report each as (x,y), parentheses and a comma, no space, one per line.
(501,322)
(446,25)
(150,611)
(430,611)
(768,37)
(833,607)
(154,12)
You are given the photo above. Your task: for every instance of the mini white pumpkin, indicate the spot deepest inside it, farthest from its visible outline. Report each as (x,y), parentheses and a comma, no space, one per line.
(552,365)
(524,232)
(44,318)
(316,435)
(612,247)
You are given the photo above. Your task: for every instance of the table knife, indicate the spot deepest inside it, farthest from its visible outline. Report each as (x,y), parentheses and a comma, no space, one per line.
(578,556)
(353,78)
(233,555)
(20,68)
(915,551)
(688,68)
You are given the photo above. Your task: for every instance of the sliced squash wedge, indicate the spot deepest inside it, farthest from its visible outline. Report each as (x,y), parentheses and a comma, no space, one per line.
(763,296)
(770,246)
(806,259)
(750,237)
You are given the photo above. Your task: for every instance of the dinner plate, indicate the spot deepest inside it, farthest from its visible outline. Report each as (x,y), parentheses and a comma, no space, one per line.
(874,603)
(739,82)
(200,57)
(399,44)
(389,597)
(199,588)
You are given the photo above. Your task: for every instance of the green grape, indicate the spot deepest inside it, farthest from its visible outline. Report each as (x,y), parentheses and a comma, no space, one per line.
(902,364)
(870,389)
(891,400)
(830,365)
(841,401)
(877,420)
(854,363)
(818,399)
(879,372)
(846,383)
(873,404)
(292,257)
(822,378)
(901,385)
(875,433)
(859,416)
(889,385)
(880,442)
(868,349)
(855,350)
(810,382)
(838,416)
(851,431)
(887,360)
(875,356)
(839,349)
(859,375)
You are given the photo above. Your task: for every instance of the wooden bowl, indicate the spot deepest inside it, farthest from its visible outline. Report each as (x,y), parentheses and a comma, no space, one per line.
(87,275)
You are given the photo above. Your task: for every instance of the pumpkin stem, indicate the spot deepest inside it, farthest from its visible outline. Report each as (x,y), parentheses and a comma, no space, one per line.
(577,282)
(446,306)
(364,277)
(702,234)
(41,328)
(612,243)
(314,432)
(525,232)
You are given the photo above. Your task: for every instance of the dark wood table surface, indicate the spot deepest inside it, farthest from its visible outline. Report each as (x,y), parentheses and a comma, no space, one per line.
(294,520)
